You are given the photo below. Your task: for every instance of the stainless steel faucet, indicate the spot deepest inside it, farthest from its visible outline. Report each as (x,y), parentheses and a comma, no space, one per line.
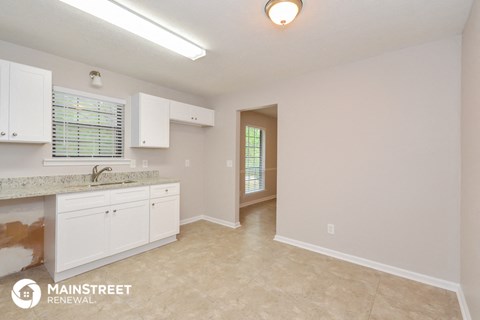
(96,173)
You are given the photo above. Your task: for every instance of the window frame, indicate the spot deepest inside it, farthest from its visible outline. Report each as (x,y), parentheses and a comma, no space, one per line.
(88,161)
(263,160)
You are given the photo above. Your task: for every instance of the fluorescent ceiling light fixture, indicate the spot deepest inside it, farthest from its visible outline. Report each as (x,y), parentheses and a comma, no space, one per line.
(128,20)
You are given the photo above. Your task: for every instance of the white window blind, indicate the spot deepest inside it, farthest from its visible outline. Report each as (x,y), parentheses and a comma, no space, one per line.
(86,126)
(254,159)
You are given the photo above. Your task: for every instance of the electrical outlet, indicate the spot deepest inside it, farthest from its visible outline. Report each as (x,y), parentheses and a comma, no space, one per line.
(133,163)
(145,163)
(187,163)
(331,228)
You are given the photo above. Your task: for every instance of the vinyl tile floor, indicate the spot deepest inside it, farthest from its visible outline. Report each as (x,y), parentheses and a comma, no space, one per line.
(214,272)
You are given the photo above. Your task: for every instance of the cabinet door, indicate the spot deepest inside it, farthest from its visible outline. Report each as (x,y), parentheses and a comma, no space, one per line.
(180,112)
(150,121)
(128,226)
(4,99)
(203,116)
(30,104)
(190,114)
(81,237)
(164,217)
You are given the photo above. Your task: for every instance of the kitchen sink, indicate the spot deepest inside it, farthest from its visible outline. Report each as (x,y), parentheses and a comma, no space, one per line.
(93,185)
(111,183)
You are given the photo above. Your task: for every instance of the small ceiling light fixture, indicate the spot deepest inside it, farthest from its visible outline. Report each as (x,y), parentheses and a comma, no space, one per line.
(283,12)
(96,79)
(128,20)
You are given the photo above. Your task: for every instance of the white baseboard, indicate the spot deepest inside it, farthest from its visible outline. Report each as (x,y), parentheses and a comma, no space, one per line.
(222,222)
(249,203)
(211,219)
(191,220)
(440,283)
(463,304)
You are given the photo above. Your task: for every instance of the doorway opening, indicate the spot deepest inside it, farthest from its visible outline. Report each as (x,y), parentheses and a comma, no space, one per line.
(258,168)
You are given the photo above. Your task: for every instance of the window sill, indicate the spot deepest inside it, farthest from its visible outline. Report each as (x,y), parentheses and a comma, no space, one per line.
(85,162)
(255,191)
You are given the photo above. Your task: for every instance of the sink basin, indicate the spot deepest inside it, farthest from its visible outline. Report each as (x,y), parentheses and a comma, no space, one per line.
(93,185)
(111,183)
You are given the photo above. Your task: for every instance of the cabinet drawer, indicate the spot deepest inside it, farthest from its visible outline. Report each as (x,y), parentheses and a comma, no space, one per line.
(129,195)
(164,190)
(83,200)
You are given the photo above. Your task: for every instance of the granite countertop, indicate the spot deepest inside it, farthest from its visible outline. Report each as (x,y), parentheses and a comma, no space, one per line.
(26,187)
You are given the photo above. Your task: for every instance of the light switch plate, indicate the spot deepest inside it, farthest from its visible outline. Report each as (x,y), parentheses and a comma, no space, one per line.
(229,163)
(331,228)
(187,163)
(145,163)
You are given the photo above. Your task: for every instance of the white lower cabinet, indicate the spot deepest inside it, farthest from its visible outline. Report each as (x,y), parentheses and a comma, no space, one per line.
(164,211)
(80,235)
(128,226)
(164,221)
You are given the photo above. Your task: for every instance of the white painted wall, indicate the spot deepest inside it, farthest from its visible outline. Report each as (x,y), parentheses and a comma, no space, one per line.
(187,142)
(372,146)
(470,217)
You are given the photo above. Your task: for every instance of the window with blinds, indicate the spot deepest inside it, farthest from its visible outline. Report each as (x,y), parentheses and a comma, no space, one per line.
(254,159)
(87,127)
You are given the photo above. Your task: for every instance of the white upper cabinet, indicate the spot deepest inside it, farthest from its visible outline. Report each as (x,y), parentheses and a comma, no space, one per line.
(190,114)
(25,103)
(4,99)
(150,121)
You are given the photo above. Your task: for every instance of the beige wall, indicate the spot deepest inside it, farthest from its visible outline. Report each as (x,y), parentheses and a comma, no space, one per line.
(372,147)
(187,142)
(269,124)
(470,217)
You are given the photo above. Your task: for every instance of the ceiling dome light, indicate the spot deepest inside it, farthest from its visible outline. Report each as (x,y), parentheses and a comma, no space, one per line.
(283,12)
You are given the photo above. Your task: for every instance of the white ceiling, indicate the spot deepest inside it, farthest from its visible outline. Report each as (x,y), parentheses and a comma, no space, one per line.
(244,48)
